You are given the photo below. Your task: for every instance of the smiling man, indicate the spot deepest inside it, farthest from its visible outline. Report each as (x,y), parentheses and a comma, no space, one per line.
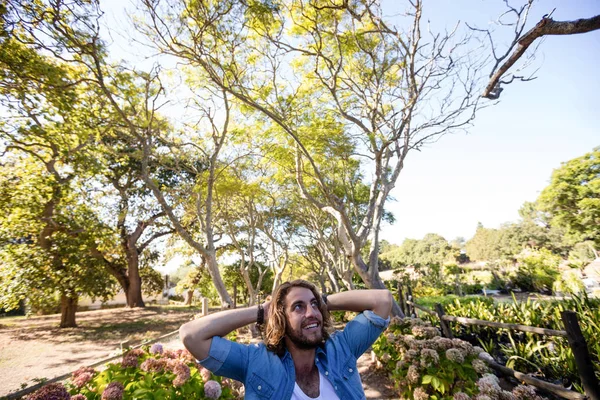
(301,358)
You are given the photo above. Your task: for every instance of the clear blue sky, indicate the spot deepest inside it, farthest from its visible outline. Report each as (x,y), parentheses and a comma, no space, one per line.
(507,157)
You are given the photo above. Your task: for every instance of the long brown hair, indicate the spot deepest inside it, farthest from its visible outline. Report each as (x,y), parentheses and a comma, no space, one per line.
(277,322)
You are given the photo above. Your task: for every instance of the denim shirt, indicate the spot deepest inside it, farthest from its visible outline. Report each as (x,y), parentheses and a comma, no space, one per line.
(268,376)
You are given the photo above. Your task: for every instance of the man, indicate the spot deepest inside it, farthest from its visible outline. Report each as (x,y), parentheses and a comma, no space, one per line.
(299,359)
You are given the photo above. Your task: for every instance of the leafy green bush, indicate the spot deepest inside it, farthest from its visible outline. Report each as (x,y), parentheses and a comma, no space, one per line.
(426,366)
(569,282)
(537,271)
(547,356)
(421,362)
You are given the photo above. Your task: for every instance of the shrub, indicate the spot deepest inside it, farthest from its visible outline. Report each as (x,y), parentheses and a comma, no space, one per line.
(147,373)
(548,356)
(537,271)
(427,366)
(424,365)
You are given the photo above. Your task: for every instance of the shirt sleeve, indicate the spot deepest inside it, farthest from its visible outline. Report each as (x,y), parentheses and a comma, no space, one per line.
(227,358)
(360,333)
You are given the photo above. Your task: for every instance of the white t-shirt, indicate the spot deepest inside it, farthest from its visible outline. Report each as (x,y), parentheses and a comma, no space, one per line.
(326,391)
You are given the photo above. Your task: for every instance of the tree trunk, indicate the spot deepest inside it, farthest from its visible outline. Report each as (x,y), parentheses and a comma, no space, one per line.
(213,269)
(372,280)
(246,276)
(333,280)
(68,307)
(134,289)
(277,280)
(189,296)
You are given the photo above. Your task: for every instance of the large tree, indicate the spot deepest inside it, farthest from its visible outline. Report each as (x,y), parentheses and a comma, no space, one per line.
(572,199)
(323,71)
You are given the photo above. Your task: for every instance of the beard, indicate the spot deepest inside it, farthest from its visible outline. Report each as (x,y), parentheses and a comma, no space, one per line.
(302,341)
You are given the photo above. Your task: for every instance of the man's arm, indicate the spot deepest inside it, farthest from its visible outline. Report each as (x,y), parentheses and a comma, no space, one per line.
(197,335)
(377,300)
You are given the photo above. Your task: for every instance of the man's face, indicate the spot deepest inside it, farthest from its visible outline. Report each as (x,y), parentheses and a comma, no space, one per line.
(304,320)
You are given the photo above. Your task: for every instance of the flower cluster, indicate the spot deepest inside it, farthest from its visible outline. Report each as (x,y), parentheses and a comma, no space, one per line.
(156,348)
(181,371)
(82,376)
(52,391)
(150,369)
(212,389)
(131,358)
(424,364)
(113,391)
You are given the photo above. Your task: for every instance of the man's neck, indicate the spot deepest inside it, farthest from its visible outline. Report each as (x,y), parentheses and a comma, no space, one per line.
(307,374)
(304,360)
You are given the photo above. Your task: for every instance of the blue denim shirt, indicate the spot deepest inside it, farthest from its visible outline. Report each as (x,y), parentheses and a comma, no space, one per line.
(268,376)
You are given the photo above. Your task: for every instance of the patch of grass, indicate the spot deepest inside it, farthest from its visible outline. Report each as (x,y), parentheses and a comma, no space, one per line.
(431,301)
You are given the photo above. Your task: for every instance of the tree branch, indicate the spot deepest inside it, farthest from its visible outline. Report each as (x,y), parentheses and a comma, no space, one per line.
(547,26)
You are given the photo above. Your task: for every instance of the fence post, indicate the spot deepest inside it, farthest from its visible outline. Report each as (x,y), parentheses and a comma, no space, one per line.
(234,295)
(581,354)
(401,299)
(446,331)
(204,306)
(411,309)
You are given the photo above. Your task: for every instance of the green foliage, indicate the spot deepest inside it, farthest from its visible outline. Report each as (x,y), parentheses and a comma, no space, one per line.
(419,360)
(232,274)
(198,278)
(549,356)
(432,249)
(572,200)
(583,253)
(569,282)
(537,271)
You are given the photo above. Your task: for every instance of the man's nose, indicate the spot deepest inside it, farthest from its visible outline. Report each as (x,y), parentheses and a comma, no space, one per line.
(311,312)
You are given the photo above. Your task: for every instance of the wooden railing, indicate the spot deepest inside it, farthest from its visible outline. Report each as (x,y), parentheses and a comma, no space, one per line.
(572,332)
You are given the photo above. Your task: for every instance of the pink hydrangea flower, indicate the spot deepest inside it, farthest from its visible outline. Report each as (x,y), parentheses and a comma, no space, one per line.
(52,391)
(113,391)
(78,397)
(181,371)
(205,374)
(130,360)
(156,348)
(212,389)
(83,370)
(170,354)
(153,365)
(80,380)
(186,356)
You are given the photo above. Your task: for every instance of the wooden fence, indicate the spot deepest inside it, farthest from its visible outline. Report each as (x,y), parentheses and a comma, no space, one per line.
(572,332)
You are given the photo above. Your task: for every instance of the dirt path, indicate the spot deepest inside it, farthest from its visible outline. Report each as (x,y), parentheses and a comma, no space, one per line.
(35,348)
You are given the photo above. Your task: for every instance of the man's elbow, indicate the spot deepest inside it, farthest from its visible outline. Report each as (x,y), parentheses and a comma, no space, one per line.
(186,334)
(193,339)
(385,302)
